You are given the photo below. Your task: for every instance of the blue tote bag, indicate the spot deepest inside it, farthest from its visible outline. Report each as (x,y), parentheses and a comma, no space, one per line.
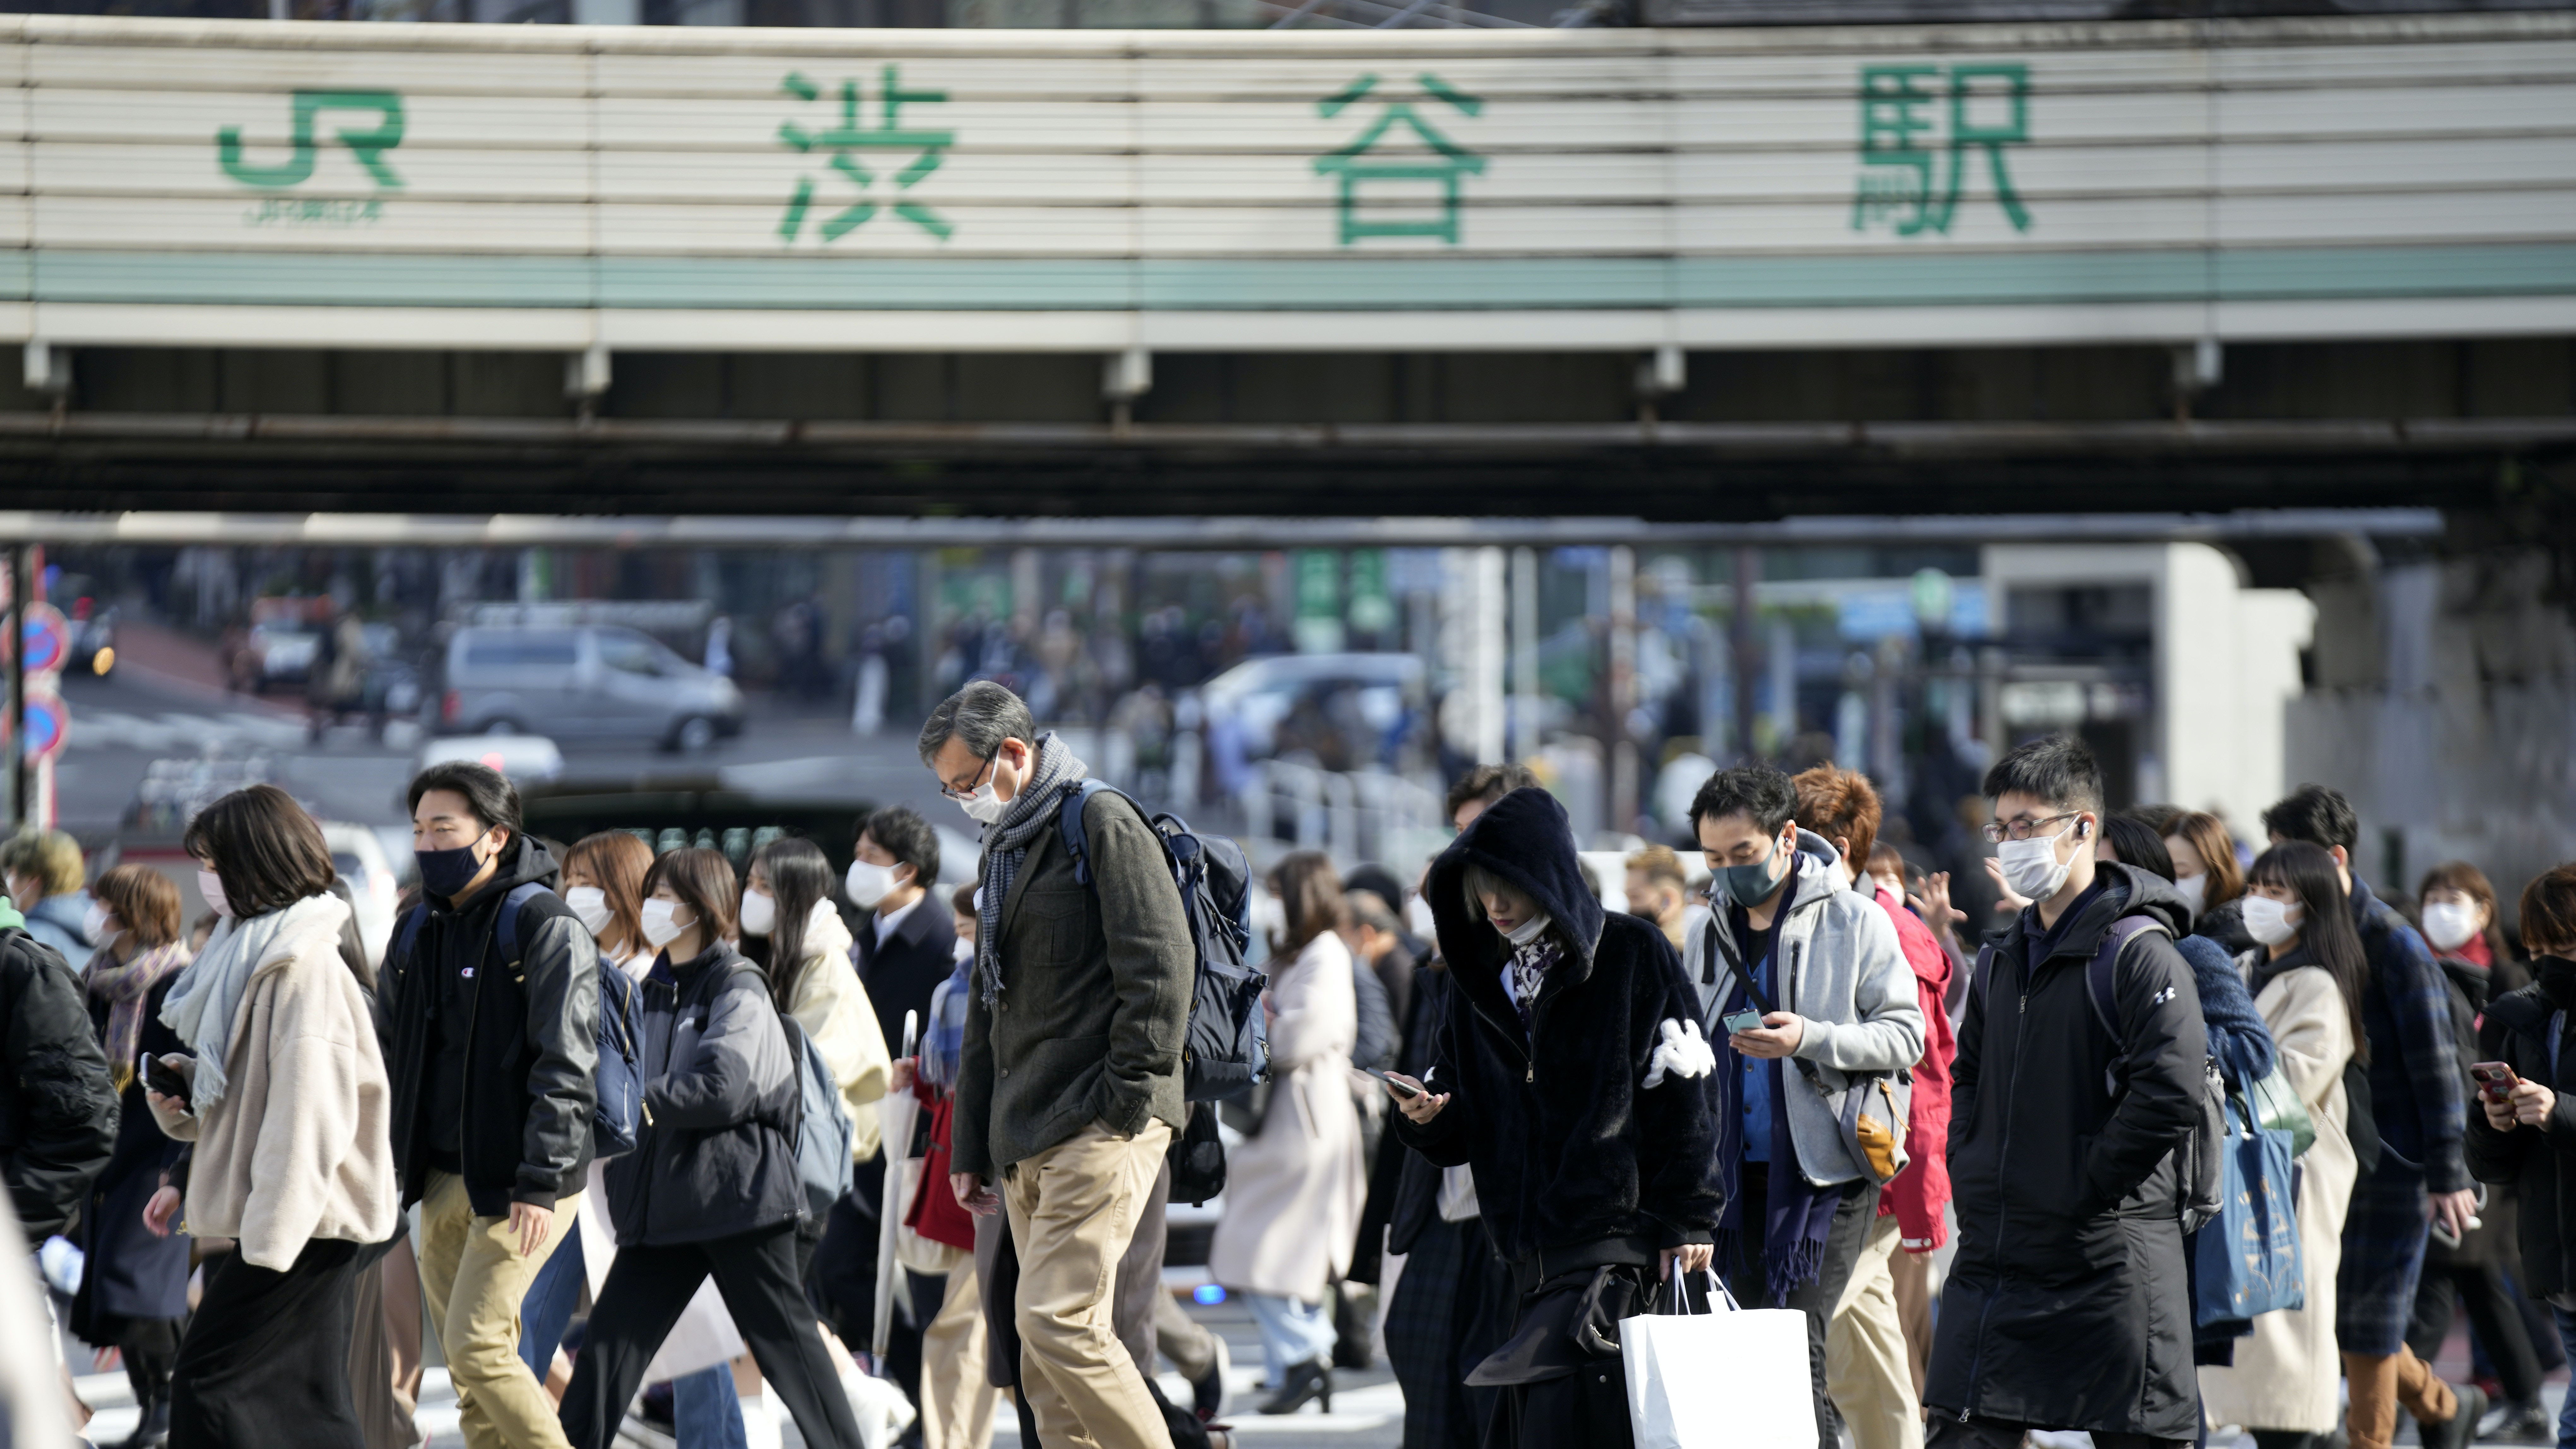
(2247,1258)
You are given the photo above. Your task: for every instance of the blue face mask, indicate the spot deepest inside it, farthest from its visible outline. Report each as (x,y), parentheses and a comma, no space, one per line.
(1749,885)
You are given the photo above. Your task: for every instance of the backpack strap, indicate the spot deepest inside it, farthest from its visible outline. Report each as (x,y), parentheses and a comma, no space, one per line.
(506,926)
(1069,826)
(2099,983)
(410,931)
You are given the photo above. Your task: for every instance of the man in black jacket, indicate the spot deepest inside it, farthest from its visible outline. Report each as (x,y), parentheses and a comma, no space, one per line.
(491,1062)
(1593,1148)
(58,1109)
(2068,1306)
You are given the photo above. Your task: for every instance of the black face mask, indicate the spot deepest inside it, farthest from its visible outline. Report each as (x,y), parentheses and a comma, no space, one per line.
(445,872)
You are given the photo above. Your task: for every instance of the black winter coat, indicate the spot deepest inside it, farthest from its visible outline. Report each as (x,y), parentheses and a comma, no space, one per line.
(2539,1165)
(1568,1149)
(126,1272)
(2069,1304)
(58,1108)
(531,1048)
(717,1155)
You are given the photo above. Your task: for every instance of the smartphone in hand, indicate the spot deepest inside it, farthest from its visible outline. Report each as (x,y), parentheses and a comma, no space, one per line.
(1401,1085)
(1741,1021)
(2495,1080)
(164,1078)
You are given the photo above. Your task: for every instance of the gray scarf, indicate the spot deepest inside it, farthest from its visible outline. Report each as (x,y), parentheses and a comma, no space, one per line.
(1006,844)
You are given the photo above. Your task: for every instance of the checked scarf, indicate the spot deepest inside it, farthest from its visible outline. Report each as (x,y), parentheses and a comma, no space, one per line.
(1006,844)
(125,989)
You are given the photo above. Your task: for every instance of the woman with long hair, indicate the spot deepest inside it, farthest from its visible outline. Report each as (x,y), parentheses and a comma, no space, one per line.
(286,1099)
(2207,874)
(2309,978)
(2459,923)
(711,1188)
(134,1285)
(1294,1190)
(790,928)
(603,882)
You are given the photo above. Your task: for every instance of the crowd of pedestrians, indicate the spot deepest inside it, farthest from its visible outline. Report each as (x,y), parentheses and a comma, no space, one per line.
(652,1141)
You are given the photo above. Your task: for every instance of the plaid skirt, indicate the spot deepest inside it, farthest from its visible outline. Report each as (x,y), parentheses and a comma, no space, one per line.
(2384,1233)
(1453,1305)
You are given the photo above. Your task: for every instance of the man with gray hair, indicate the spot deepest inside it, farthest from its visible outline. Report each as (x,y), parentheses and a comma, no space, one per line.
(1069,1081)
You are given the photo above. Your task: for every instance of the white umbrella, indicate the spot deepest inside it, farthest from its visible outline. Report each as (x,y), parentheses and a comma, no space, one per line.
(895,1113)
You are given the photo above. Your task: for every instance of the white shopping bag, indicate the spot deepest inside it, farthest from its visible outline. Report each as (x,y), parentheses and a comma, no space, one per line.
(1731,1376)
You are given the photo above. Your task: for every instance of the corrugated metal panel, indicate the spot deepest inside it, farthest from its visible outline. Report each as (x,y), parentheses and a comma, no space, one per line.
(2027,181)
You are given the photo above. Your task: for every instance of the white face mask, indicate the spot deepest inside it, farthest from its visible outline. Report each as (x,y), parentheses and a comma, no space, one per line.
(96,922)
(211,886)
(2194,890)
(1417,914)
(590,905)
(2271,922)
(1527,931)
(661,927)
(759,913)
(2449,925)
(2031,867)
(983,807)
(869,884)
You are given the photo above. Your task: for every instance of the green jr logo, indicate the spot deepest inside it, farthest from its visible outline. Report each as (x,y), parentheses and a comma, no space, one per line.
(368,145)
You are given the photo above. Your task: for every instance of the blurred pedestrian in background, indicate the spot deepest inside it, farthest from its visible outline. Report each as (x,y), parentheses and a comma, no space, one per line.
(1294,1189)
(42,870)
(287,1103)
(134,1284)
(2524,1132)
(2458,906)
(711,1188)
(2416,1105)
(2310,981)
(1660,892)
(492,1049)
(2210,880)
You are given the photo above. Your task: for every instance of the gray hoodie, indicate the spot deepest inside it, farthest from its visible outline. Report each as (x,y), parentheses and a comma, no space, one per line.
(1838,967)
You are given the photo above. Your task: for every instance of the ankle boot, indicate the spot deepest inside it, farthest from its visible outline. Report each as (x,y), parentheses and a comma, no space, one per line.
(1312,1379)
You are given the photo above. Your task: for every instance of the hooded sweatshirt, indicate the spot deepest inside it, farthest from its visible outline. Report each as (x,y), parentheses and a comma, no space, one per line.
(1568,1148)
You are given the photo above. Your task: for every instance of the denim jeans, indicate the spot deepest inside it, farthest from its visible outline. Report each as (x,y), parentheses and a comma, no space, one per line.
(1291,1333)
(706,1413)
(547,1310)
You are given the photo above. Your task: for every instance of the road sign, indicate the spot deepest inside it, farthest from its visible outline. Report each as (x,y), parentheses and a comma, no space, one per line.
(48,718)
(49,639)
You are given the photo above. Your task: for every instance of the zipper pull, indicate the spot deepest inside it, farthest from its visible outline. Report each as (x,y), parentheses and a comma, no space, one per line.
(1530,1073)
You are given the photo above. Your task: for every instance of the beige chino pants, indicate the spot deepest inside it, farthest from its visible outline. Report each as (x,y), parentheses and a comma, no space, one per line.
(1073,1209)
(1867,1371)
(473,1277)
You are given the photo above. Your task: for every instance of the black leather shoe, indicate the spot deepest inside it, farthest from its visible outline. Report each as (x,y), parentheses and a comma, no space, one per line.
(1308,1380)
(2461,1429)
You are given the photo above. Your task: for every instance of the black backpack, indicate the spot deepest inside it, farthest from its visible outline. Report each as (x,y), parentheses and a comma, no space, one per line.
(1227,1047)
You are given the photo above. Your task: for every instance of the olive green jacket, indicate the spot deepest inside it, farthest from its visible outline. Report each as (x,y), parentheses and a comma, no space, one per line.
(1095,999)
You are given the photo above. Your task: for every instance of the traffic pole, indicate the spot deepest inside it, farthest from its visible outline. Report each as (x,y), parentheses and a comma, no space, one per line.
(17,650)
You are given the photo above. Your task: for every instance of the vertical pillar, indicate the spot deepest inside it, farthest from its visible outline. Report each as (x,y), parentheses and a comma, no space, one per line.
(1471,630)
(1746,649)
(1623,686)
(1525,696)
(20,815)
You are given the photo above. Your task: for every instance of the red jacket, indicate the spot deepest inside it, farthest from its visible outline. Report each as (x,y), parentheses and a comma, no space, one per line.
(1920,1192)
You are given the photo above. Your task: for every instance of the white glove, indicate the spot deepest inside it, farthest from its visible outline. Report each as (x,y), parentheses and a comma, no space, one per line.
(1685,1053)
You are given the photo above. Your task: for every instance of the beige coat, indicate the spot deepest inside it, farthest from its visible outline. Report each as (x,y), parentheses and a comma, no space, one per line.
(298,1147)
(2285,1374)
(833,1008)
(1293,1194)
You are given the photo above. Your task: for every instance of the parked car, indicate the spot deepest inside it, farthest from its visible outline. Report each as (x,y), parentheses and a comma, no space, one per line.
(591,682)
(359,859)
(285,653)
(1348,710)
(525,759)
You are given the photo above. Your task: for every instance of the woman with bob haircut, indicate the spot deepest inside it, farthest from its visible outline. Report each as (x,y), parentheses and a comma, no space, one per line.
(711,1188)
(287,1103)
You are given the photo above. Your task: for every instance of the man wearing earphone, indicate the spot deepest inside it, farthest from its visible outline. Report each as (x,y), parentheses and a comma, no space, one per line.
(2068,1306)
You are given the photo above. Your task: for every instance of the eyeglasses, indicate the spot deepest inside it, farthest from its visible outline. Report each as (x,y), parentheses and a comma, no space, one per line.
(1997,832)
(953,793)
